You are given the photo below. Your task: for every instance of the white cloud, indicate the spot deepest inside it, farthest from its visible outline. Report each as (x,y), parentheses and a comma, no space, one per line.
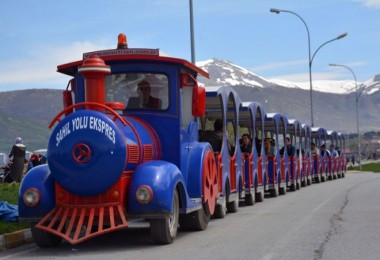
(371,3)
(39,66)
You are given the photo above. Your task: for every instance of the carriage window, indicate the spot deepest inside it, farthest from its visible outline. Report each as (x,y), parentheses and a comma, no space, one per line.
(138,90)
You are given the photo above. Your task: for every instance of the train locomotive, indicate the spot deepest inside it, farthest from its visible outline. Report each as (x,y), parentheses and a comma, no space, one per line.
(128,145)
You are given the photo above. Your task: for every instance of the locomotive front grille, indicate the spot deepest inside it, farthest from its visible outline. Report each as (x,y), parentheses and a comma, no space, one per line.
(77,224)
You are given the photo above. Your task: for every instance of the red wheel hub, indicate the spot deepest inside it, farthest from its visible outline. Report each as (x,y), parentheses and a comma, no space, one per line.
(210,181)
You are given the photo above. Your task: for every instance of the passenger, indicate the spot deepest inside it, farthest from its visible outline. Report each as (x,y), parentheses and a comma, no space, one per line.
(333,152)
(323,150)
(246,145)
(269,147)
(314,150)
(289,148)
(215,138)
(17,156)
(145,100)
(338,150)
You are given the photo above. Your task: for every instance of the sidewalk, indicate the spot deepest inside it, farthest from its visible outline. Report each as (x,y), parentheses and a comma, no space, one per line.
(15,239)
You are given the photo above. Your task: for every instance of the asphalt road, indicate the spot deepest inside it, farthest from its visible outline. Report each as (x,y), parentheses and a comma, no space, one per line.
(338,219)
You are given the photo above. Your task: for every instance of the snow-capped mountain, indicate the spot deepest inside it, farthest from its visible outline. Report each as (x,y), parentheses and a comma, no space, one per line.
(223,72)
(334,101)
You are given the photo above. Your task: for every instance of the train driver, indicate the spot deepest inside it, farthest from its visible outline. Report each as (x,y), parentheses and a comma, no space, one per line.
(147,101)
(144,99)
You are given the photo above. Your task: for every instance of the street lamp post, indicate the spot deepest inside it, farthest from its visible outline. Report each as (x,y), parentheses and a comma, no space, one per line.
(311,58)
(192,32)
(357,95)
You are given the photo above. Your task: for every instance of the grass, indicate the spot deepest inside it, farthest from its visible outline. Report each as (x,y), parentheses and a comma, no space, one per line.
(370,167)
(9,193)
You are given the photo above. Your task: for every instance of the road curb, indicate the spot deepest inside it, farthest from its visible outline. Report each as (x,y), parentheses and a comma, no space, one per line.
(15,239)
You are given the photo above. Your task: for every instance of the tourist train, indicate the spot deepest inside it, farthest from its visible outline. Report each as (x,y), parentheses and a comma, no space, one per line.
(131,142)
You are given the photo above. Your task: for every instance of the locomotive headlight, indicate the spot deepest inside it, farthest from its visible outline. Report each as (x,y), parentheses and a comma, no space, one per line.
(144,194)
(31,197)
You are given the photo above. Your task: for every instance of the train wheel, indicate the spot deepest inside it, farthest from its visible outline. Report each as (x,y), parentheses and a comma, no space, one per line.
(164,231)
(282,190)
(298,185)
(210,182)
(232,206)
(221,210)
(195,221)
(259,196)
(249,199)
(43,238)
(274,191)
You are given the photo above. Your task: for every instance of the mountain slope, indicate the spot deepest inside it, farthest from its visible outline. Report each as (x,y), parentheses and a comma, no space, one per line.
(225,73)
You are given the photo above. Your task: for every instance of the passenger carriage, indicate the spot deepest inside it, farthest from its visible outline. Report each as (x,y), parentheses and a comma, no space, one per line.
(333,162)
(318,136)
(278,178)
(343,158)
(251,121)
(293,129)
(223,103)
(307,158)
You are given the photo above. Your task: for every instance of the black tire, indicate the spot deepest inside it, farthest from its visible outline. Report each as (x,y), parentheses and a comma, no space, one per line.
(298,185)
(164,231)
(308,182)
(293,187)
(303,183)
(259,196)
(282,190)
(249,199)
(220,210)
(274,191)
(195,221)
(232,206)
(323,178)
(43,238)
(317,179)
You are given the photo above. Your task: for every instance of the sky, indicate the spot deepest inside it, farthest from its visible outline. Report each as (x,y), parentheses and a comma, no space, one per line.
(38,35)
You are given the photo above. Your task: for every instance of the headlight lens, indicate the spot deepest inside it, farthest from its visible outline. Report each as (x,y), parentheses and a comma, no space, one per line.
(31,197)
(144,194)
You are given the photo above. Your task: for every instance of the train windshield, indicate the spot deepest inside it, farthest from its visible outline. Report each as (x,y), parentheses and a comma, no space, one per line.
(138,90)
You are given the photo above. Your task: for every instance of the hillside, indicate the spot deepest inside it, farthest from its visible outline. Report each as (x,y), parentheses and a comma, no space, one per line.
(27,113)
